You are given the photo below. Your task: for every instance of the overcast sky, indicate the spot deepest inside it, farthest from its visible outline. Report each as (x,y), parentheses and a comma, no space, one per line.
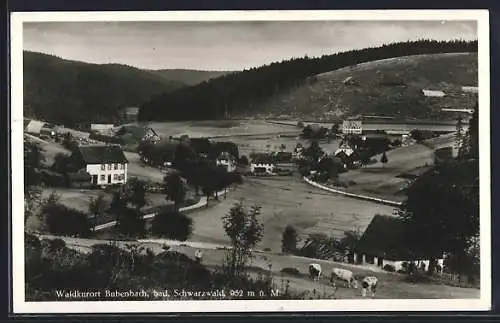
(223,45)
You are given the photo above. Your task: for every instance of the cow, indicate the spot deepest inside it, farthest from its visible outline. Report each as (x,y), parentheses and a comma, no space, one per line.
(198,255)
(369,283)
(315,271)
(345,275)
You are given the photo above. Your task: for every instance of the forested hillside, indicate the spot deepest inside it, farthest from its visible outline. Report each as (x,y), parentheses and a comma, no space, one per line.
(246,92)
(71,92)
(189,77)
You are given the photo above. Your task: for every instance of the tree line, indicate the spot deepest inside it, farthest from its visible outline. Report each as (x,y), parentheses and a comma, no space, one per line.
(237,92)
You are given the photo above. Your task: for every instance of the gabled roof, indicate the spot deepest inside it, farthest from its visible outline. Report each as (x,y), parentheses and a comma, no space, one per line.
(99,154)
(263,159)
(385,237)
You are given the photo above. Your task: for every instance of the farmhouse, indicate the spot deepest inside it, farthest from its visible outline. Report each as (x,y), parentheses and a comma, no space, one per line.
(344,148)
(35,127)
(352,127)
(383,244)
(151,135)
(102,128)
(433,93)
(131,114)
(106,165)
(227,160)
(262,164)
(470,89)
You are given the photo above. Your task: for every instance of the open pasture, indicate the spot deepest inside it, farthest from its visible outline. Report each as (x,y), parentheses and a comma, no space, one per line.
(287,201)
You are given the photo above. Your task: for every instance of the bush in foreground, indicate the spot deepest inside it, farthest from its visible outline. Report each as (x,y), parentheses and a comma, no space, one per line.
(172,225)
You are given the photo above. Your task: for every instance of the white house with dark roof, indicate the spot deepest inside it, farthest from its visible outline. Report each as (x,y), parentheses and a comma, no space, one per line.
(107,165)
(227,160)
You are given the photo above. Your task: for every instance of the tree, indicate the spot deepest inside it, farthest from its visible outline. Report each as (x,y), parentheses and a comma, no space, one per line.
(136,193)
(244,230)
(174,189)
(289,239)
(33,159)
(97,207)
(384,159)
(335,129)
(130,222)
(459,135)
(243,160)
(442,210)
(348,243)
(172,225)
(118,203)
(314,152)
(417,135)
(282,147)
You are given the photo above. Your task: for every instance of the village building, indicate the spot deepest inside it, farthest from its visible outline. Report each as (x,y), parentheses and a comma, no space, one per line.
(470,89)
(107,165)
(39,128)
(383,245)
(102,128)
(352,126)
(151,135)
(227,160)
(433,93)
(262,164)
(344,148)
(131,114)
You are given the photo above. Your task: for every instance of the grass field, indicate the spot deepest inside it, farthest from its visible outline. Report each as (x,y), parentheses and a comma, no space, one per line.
(79,198)
(380,180)
(287,201)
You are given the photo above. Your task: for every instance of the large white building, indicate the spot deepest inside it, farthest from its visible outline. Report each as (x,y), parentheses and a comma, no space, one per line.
(107,165)
(352,127)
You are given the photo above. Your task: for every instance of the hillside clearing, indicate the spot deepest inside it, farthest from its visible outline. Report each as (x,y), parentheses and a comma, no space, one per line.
(389,87)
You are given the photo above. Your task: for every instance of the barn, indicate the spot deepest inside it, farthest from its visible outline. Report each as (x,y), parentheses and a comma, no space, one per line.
(383,244)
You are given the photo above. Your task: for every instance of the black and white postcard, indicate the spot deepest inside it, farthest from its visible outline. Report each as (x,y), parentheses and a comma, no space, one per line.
(252,161)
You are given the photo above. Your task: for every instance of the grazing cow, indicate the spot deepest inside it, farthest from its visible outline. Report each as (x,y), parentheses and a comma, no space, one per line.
(315,271)
(345,275)
(198,255)
(369,283)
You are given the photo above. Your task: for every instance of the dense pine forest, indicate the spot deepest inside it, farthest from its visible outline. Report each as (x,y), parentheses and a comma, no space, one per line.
(240,92)
(72,92)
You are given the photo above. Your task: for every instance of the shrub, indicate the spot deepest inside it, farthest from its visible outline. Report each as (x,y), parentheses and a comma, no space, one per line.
(289,239)
(291,271)
(51,178)
(389,268)
(172,225)
(130,221)
(65,221)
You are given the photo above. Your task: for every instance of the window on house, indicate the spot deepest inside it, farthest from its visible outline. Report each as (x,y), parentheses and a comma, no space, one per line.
(103,177)
(121,166)
(109,166)
(103,167)
(115,166)
(115,177)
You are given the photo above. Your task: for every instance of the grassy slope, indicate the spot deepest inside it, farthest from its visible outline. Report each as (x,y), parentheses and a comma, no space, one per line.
(370,93)
(55,88)
(188,77)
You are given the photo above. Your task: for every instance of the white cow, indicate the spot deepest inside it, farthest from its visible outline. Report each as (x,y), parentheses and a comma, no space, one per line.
(345,275)
(369,283)
(315,271)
